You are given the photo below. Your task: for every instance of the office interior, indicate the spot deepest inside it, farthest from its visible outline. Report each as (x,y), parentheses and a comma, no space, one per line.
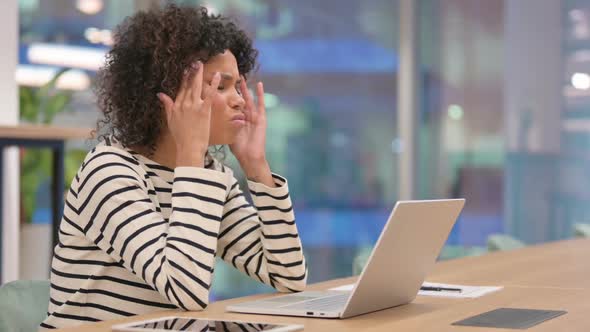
(487,100)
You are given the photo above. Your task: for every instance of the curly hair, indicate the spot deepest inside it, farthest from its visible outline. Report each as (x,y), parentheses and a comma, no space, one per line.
(151,51)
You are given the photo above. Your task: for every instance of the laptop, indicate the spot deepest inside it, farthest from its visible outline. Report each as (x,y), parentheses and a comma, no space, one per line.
(405,253)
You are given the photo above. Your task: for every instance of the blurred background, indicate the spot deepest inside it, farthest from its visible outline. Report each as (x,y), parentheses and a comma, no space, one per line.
(502,116)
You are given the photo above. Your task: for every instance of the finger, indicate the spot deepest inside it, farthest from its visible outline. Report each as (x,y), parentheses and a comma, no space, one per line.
(214,85)
(168,104)
(246,95)
(184,85)
(260,98)
(197,83)
(166,101)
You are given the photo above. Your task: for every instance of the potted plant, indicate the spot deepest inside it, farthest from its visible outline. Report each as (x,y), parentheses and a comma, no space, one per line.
(40,105)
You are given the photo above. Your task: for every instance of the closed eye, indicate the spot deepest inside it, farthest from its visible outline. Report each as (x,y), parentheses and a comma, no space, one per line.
(239,86)
(227,79)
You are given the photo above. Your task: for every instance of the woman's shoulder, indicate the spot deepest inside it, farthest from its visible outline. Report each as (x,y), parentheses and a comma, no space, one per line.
(108,152)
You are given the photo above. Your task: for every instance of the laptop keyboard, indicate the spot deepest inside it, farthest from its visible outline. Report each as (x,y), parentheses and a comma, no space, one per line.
(323,303)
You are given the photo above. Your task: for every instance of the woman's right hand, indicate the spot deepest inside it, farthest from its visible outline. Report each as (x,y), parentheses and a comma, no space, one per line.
(188,116)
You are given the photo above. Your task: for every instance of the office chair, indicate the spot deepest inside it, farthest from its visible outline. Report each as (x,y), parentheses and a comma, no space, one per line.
(23,305)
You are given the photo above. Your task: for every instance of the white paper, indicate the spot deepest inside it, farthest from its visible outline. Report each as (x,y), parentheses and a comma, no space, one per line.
(466,291)
(343,288)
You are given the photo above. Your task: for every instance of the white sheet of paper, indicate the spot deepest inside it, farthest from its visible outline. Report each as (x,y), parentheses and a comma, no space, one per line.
(466,291)
(348,287)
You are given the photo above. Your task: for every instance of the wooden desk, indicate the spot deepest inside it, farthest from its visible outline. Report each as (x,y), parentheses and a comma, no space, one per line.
(41,132)
(539,277)
(33,136)
(562,264)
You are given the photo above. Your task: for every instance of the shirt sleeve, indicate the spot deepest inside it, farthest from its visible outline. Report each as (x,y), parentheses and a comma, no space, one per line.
(176,256)
(262,240)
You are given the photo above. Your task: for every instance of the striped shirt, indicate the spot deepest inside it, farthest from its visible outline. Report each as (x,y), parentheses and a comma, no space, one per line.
(138,237)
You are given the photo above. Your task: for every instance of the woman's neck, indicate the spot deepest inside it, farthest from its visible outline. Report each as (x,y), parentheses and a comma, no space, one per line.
(164,153)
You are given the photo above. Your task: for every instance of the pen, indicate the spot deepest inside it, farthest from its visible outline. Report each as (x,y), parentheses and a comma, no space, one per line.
(440,289)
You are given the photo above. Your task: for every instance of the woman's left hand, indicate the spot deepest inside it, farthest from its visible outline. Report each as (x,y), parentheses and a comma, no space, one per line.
(249,148)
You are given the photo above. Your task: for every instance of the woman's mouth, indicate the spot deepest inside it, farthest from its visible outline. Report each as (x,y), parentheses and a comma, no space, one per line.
(239,120)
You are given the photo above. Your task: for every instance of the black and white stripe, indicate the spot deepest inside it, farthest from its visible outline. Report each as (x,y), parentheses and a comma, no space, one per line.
(203,325)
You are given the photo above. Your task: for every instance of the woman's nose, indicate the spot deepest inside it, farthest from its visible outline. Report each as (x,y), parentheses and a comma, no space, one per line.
(238,102)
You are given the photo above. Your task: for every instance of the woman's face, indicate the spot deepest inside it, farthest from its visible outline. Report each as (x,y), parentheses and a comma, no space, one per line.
(227,107)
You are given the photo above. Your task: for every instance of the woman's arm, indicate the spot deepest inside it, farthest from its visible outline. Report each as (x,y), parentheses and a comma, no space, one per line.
(175,257)
(263,241)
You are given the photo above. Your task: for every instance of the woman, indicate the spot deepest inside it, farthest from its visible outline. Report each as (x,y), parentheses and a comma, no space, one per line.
(150,209)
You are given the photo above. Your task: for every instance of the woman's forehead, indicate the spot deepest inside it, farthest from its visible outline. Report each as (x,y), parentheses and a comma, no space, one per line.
(223,59)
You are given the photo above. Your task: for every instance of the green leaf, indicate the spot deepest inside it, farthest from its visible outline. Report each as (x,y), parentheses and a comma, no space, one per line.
(46,93)
(55,105)
(29,104)
(46,89)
